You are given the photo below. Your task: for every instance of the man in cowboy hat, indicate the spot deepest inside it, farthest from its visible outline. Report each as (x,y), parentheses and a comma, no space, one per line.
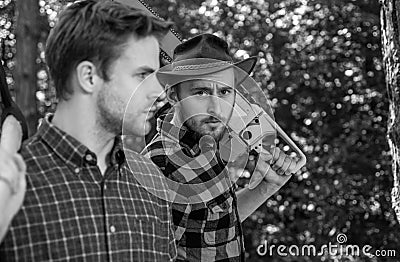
(207,212)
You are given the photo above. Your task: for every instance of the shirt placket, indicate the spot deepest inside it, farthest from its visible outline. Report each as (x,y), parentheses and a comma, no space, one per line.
(110,225)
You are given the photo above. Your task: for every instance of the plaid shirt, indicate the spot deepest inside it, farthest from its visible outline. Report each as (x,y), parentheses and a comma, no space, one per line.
(72,212)
(205,231)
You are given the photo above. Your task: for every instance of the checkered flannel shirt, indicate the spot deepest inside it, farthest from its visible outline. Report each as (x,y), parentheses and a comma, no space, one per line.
(72,212)
(204,231)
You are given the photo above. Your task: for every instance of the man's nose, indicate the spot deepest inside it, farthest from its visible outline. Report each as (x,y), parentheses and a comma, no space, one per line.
(155,89)
(214,106)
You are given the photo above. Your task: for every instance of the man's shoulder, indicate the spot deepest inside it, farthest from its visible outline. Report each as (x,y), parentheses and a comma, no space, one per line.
(41,159)
(160,146)
(34,150)
(140,161)
(158,150)
(148,174)
(166,153)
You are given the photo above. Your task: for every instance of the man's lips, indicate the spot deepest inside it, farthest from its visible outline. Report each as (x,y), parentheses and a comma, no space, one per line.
(212,121)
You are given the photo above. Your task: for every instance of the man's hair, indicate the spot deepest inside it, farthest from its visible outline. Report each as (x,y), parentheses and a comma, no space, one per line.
(95,31)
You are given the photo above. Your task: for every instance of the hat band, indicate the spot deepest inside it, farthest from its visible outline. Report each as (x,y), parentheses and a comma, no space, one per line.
(201,66)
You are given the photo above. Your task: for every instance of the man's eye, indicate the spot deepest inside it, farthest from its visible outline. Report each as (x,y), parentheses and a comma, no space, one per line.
(201,93)
(226,92)
(143,75)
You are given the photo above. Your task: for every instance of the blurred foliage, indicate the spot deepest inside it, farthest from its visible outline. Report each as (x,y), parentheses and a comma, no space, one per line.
(320,62)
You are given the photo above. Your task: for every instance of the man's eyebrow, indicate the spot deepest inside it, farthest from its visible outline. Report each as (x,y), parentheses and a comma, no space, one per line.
(224,87)
(201,88)
(205,87)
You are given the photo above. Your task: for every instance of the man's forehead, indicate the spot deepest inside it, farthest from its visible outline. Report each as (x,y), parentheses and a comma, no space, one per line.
(144,51)
(206,83)
(222,78)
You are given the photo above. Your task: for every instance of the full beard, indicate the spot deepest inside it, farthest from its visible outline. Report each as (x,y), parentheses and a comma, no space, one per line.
(199,129)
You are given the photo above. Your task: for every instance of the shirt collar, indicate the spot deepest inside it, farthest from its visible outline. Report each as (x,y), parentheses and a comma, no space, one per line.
(117,155)
(70,150)
(186,138)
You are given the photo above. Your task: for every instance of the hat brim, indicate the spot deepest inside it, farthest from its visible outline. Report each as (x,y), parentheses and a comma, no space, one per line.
(168,76)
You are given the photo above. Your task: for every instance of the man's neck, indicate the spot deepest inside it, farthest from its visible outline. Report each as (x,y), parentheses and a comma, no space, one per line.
(79,122)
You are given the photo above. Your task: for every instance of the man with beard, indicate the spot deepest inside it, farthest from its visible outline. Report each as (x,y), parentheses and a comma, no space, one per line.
(201,81)
(82,202)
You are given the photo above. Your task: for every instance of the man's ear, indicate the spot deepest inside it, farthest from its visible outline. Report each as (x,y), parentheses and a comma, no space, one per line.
(87,76)
(172,95)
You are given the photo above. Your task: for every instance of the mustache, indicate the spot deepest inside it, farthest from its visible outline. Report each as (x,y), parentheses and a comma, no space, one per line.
(212,119)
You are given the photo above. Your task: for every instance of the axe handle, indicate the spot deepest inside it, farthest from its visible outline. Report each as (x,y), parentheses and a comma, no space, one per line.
(302,158)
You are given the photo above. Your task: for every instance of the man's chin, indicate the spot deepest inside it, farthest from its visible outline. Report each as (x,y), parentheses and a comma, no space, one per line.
(216,134)
(215,130)
(137,130)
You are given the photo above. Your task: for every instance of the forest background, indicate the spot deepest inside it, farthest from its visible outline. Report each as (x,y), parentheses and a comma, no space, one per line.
(320,62)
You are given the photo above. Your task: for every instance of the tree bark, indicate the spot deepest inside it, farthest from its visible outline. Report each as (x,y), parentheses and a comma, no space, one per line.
(390,22)
(27,36)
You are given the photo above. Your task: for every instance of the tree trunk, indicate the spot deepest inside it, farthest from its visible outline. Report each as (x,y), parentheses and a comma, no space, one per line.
(27,36)
(390,21)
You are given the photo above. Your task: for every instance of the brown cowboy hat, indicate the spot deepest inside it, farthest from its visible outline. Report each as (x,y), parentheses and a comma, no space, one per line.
(200,56)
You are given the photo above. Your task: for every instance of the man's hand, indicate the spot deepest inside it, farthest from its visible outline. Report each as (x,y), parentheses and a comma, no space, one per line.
(272,170)
(270,174)
(12,173)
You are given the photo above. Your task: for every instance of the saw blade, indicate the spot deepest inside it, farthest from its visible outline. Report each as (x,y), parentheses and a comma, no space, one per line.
(169,41)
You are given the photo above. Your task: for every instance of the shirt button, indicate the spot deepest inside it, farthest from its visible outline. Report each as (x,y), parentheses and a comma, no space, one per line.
(77,170)
(112,229)
(89,157)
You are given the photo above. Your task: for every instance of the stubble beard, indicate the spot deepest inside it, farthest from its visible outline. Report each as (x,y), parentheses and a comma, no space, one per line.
(109,115)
